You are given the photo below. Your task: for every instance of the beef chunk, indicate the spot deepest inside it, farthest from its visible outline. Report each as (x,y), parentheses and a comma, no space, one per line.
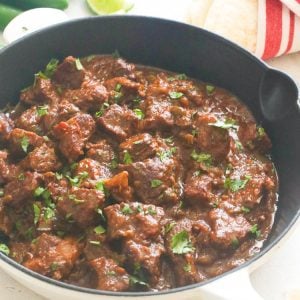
(101,151)
(42,159)
(105,67)
(89,97)
(141,146)
(133,220)
(212,139)
(6,126)
(120,121)
(111,277)
(227,229)
(80,205)
(183,262)
(145,256)
(68,74)
(94,170)
(58,112)
(42,91)
(30,121)
(8,171)
(20,190)
(118,187)
(253,137)
(53,256)
(73,134)
(22,141)
(156,181)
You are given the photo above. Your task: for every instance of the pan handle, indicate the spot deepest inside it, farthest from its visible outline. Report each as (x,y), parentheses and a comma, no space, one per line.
(278,94)
(235,286)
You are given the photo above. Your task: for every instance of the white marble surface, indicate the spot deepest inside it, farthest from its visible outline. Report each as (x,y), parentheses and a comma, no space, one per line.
(279,278)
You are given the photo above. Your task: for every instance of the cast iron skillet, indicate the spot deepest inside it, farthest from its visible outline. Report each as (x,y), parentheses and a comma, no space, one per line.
(270,95)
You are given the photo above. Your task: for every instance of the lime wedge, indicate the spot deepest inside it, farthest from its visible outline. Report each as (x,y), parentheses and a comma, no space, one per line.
(104,7)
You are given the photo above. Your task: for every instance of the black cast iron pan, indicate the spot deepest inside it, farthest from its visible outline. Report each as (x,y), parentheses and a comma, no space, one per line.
(271,96)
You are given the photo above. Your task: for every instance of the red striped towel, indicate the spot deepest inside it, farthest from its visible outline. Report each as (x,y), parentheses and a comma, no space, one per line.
(278,28)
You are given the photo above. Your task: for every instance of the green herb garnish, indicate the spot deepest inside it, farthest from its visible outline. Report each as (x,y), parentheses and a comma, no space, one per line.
(127,158)
(4,249)
(139,113)
(165,154)
(181,243)
(78,64)
(235,243)
(25,143)
(175,95)
(37,213)
(202,157)
(102,109)
(151,211)
(187,268)
(236,184)
(126,210)
(227,124)
(210,89)
(255,231)
(42,110)
(169,226)
(99,229)
(156,183)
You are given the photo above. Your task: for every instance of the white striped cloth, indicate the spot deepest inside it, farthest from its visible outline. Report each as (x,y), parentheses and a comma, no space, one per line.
(278,28)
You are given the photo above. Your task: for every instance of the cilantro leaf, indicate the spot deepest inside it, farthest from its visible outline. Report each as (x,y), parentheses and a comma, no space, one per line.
(78,64)
(99,229)
(255,231)
(181,243)
(4,249)
(102,109)
(25,143)
(175,95)
(169,226)
(165,154)
(187,268)
(42,110)
(210,89)
(127,158)
(51,67)
(37,213)
(227,124)
(202,157)
(139,113)
(236,184)
(126,210)
(156,183)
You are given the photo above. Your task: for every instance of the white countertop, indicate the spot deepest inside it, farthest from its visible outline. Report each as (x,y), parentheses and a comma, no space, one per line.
(279,278)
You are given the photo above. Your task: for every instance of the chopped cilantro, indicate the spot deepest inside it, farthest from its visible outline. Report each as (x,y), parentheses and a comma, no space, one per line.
(59,176)
(127,158)
(187,268)
(102,109)
(139,113)
(111,273)
(151,211)
(169,226)
(165,154)
(169,140)
(42,110)
(255,231)
(21,177)
(156,183)
(114,163)
(139,209)
(245,209)
(100,186)
(90,57)
(76,181)
(25,143)
(210,89)
(49,212)
(175,95)
(1,192)
(51,67)
(197,173)
(126,210)
(118,87)
(4,249)
(260,132)
(202,157)
(54,266)
(99,229)
(37,213)
(39,191)
(137,100)
(78,64)
(181,76)
(227,124)
(194,132)
(239,145)
(235,184)
(181,243)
